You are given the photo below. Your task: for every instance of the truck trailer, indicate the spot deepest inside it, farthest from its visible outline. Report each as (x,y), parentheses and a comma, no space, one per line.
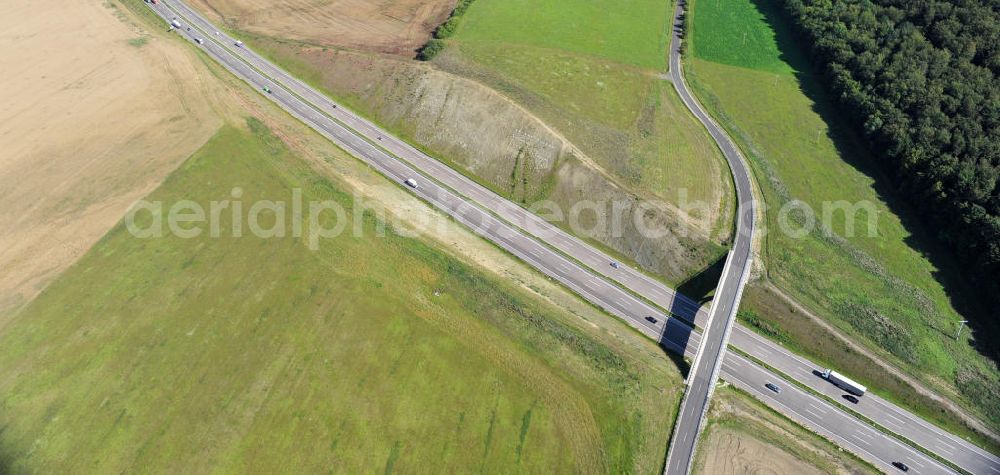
(843,382)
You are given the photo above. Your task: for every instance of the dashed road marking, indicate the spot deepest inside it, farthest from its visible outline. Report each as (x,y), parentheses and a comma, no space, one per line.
(818,415)
(894,418)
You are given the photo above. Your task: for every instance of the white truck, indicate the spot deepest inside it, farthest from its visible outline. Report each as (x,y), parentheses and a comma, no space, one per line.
(843,382)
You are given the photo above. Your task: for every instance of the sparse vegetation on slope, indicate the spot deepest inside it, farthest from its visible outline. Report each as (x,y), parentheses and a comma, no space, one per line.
(598,126)
(581,70)
(232,354)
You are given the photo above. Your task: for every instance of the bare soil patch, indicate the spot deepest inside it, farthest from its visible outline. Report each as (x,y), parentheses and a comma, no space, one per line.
(745,437)
(732,453)
(385,26)
(95,113)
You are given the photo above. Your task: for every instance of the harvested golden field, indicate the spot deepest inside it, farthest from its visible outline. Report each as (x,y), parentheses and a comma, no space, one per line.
(386,26)
(95,112)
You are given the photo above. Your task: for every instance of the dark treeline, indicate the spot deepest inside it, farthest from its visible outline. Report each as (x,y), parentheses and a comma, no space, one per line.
(921,79)
(436,44)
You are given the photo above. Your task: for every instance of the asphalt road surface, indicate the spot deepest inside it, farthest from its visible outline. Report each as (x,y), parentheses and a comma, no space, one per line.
(588,272)
(705,367)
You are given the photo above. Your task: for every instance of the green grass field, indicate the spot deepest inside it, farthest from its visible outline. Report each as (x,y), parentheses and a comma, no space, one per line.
(736,33)
(258,355)
(633,32)
(883,288)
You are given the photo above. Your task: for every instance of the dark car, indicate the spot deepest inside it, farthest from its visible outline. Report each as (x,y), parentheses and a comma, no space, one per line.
(773,387)
(652,320)
(902,466)
(851,398)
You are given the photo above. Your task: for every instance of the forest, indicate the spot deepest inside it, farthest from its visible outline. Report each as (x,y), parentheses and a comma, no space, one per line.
(920,80)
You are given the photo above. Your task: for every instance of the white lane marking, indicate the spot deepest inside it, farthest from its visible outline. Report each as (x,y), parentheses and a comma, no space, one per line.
(818,408)
(942,444)
(818,415)
(894,418)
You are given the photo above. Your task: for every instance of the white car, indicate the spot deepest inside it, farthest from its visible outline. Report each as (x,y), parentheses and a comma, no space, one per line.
(199,41)
(239,44)
(410,182)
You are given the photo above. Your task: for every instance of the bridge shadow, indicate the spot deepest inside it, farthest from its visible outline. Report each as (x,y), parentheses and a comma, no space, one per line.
(675,340)
(972,301)
(699,288)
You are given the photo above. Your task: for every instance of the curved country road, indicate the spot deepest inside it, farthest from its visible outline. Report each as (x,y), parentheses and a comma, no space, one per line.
(715,337)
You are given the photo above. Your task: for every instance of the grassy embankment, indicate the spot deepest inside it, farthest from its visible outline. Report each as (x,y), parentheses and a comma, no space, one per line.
(882,289)
(598,89)
(592,71)
(234,354)
(743,435)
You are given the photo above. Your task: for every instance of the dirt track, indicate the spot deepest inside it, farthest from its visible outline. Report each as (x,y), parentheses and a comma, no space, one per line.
(90,123)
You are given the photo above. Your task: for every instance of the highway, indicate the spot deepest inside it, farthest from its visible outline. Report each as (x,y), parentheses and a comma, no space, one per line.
(705,367)
(588,272)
